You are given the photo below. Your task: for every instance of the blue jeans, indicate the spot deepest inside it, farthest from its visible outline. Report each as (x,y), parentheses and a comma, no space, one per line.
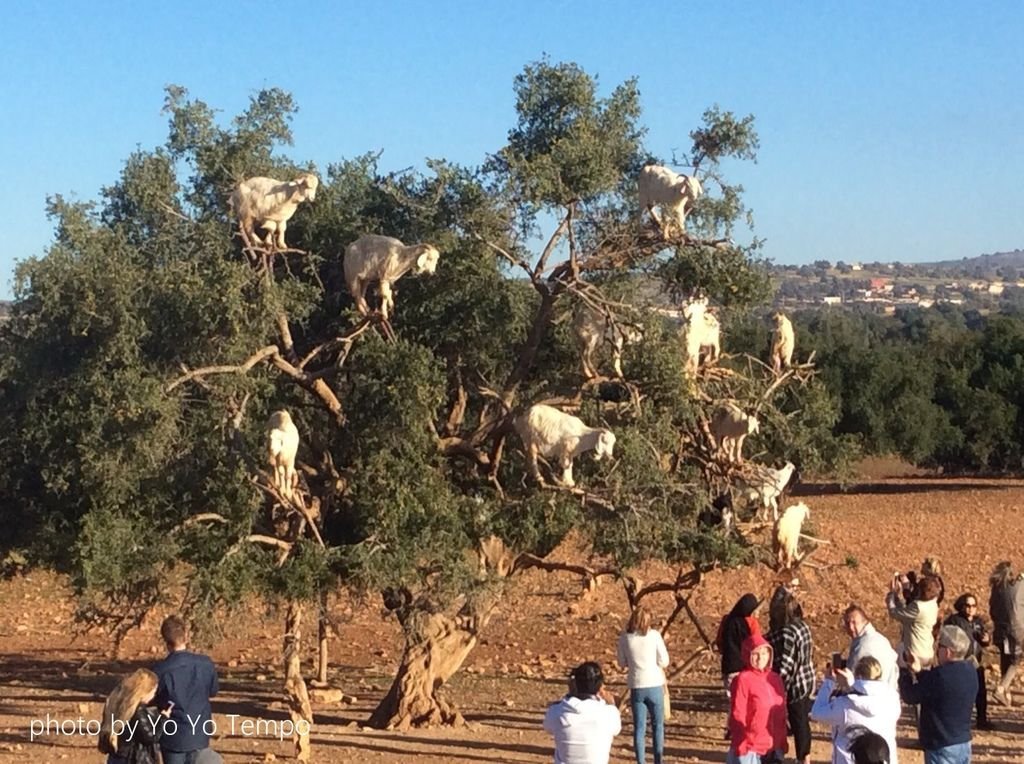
(951,754)
(642,700)
(179,757)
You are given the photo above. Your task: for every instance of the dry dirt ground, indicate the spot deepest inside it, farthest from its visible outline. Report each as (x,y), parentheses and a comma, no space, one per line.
(888,522)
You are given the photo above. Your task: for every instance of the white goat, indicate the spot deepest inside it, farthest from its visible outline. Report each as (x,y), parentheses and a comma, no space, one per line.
(701,332)
(385,260)
(783,342)
(730,426)
(674,193)
(787,533)
(269,204)
(766,487)
(282,447)
(592,328)
(551,433)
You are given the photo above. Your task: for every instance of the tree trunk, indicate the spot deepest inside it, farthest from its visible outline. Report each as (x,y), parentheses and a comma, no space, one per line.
(323,657)
(299,708)
(436,645)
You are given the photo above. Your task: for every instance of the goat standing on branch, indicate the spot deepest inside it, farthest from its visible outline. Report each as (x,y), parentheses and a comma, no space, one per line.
(765,487)
(783,343)
(701,332)
(384,260)
(673,193)
(592,328)
(787,534)
(730,426)
(548,432)
(282,447)
(270,204)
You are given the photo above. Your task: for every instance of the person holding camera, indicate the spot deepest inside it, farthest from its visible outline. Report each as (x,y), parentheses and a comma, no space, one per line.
(966,617)
(917,618)
(946,696)
(586,720)
(858,699)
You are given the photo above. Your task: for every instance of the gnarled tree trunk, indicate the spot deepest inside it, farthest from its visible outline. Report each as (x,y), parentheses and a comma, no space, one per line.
(436,645)
(299,708)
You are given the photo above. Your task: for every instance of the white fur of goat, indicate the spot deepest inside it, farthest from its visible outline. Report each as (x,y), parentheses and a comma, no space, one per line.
(282,448)
(384,260)
(787,533)
(675,194)
(270,204)
(766,488)
(553,434)
(730,426)
(592,328)
(783,342)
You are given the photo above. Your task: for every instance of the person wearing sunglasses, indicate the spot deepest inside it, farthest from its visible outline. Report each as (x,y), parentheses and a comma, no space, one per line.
(967,618)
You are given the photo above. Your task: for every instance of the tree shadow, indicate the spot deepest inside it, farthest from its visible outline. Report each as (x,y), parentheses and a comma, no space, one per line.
(893,489)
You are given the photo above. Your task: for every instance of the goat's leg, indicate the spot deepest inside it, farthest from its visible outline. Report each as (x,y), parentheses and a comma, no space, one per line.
(617,361)
(531,462)
(281,226)
(566,465)
(359,293)
(588,363)
(387,299)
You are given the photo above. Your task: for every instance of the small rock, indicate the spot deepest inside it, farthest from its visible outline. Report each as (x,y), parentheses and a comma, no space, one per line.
(232,663)
(510,704)
(261,678)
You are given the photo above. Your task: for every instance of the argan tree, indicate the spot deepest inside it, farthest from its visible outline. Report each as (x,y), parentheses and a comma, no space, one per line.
(147,348)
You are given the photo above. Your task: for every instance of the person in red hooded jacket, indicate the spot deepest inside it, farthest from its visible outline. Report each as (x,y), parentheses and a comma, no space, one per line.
(757,718)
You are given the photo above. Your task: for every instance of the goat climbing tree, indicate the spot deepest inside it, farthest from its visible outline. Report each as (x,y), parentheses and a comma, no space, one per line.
(146,350)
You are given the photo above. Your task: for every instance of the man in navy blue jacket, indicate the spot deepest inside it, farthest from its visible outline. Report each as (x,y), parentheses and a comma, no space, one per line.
(188,680)
(946,695)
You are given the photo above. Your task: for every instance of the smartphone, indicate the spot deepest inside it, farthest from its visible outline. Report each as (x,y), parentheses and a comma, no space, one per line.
(837,661)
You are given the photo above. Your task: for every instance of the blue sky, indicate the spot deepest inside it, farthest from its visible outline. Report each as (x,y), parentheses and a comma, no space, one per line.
(890,131)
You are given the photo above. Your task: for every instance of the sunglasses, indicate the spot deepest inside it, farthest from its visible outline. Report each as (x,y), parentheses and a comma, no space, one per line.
(970,604)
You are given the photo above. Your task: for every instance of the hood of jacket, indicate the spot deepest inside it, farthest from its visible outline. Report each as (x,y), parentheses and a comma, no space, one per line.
(750,644)
(868,694)
(571,709)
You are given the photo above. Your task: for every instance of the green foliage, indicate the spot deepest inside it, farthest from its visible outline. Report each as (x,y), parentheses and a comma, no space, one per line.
(568,144)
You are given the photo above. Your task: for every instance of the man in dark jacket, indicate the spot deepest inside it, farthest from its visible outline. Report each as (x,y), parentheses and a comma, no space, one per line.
(946,695)
(188,680)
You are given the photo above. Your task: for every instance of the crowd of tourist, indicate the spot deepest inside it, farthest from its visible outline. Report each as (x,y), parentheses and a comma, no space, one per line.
(769,680)
(773,692)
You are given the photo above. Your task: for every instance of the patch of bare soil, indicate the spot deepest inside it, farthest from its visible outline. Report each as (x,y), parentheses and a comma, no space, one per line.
(544,627)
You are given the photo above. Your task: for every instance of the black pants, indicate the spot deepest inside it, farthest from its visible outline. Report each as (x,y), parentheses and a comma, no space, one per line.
(800,725)
(981,701)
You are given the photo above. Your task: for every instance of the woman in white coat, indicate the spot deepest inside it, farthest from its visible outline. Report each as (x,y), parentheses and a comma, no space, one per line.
(643,654)
(859,699)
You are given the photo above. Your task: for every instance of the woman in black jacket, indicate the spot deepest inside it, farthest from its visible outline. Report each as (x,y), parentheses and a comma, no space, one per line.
(130,730)
(967,618)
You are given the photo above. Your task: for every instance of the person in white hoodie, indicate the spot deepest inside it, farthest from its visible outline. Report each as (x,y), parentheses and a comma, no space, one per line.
(854,700)
(642,652)
(586,720)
